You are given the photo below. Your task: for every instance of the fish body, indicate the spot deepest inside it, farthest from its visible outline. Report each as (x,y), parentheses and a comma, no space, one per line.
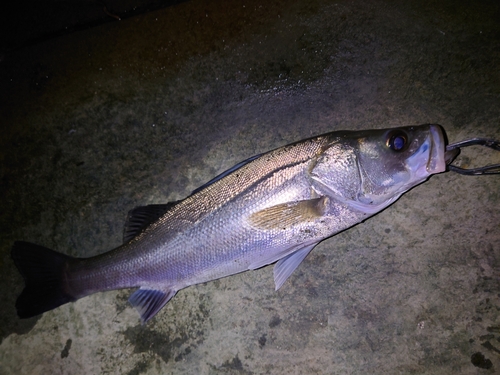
(274,207)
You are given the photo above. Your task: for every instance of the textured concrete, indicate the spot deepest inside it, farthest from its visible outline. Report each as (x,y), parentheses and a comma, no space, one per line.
(145,110)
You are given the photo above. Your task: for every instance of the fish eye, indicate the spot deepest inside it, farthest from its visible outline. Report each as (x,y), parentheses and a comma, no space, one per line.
(397,141)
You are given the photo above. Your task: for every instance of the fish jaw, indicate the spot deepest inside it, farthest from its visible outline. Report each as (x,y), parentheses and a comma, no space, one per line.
(436,162)
(429,159)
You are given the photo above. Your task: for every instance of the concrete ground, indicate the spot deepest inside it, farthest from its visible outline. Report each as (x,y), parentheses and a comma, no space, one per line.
(145,110)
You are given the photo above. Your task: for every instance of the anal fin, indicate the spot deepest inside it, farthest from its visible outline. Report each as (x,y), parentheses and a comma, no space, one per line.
(148,302)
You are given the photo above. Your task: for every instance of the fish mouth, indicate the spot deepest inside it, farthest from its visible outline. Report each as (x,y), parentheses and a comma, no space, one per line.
(429,158)
(437,158)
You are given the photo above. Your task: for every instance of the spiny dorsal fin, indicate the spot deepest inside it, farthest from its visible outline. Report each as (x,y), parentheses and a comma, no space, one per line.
(142,217)
(288,214)
(225,173)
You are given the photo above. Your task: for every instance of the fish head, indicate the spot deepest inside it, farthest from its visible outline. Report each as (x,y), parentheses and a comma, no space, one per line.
(380,165)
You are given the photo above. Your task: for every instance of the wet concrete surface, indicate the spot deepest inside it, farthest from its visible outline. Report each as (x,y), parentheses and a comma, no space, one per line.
(146,109)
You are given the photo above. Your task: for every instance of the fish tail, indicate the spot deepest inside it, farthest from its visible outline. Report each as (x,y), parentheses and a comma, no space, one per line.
(43,273)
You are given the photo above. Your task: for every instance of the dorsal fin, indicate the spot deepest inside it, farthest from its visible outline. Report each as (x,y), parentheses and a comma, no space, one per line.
(142,217)
(225,173)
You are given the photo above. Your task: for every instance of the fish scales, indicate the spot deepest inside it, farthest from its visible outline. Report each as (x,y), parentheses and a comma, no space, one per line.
(271,208)
(197,240)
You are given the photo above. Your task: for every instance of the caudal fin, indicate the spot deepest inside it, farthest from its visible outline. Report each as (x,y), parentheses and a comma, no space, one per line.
(43,272)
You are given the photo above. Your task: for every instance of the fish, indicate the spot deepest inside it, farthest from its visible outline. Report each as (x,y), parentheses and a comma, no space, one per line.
(274,207)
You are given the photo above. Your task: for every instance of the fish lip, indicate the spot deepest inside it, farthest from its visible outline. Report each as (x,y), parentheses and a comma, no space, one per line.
(450,155)
(429,158)
(436,162)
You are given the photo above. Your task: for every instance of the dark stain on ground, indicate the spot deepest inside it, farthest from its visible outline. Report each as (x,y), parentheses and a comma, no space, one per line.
(122,302)
(487,337)
(67,347)
(489,346)
(487,284)
(163,345)
(480,361)
(312,292)
(493,329)
(234,364)
(262,340)
(484,306)
(148,340)
(181,356)
(275,321)
(172,344)
(139,368)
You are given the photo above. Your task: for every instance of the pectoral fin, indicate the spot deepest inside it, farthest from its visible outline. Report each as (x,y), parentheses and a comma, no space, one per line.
(149,301)
(285,266)
(286,215)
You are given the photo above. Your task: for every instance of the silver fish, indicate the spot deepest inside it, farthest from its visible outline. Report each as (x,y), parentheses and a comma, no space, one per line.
(274,207)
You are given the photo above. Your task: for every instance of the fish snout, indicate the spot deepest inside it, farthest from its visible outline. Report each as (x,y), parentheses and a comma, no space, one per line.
(437,159)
